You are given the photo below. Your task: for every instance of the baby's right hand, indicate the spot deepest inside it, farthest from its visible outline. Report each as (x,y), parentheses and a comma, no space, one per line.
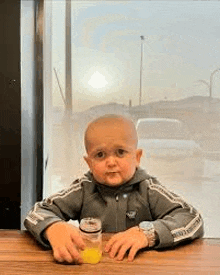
(65,241)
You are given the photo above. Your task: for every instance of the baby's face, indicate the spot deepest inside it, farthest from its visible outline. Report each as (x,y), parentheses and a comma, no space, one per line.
(112,154)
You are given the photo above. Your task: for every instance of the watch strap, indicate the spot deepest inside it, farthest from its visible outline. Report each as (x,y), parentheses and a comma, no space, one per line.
(150,234)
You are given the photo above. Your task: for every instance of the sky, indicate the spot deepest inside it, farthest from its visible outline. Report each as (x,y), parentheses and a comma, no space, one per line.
(181,49)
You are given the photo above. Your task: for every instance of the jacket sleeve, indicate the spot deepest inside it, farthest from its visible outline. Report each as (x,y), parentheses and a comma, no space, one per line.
(62,206)
(175,220)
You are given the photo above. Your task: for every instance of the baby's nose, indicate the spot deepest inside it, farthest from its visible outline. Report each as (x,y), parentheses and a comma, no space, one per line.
(111,160)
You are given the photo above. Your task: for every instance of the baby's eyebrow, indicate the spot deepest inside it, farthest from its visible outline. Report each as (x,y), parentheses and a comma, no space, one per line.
(99,149)
(123,147)
(104,149)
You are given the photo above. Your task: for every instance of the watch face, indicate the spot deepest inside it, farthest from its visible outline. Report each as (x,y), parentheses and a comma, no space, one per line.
(146,225)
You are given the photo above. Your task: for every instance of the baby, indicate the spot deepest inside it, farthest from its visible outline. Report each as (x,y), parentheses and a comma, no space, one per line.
(135,206)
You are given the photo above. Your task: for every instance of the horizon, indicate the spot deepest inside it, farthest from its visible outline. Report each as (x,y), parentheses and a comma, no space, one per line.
(180,50)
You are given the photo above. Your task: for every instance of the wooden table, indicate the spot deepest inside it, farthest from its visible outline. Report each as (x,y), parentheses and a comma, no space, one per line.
(21,254)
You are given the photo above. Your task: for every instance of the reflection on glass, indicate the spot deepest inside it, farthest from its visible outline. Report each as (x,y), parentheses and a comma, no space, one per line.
(180,137)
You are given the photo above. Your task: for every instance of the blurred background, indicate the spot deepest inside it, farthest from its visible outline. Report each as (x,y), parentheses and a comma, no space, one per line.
(157,62)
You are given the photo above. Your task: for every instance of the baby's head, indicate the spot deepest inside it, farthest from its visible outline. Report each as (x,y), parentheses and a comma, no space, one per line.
(111,146)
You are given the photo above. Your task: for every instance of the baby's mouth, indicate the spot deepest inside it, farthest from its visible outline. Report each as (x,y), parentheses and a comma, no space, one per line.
(111,172)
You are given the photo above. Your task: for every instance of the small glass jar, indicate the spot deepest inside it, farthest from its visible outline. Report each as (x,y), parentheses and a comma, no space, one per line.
(91,232)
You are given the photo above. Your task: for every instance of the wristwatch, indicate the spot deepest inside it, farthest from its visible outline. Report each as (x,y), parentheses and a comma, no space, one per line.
(149,231)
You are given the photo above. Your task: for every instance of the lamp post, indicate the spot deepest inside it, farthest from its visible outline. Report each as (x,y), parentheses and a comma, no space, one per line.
(68,59)
(211,80)
(141,68)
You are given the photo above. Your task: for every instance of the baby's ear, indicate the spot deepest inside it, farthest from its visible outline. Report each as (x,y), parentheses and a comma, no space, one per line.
(139,153)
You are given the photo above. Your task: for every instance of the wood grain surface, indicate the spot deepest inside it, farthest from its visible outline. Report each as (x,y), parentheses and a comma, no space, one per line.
(21,254)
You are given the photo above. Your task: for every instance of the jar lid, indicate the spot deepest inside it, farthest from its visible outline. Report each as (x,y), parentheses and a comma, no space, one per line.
(90,225)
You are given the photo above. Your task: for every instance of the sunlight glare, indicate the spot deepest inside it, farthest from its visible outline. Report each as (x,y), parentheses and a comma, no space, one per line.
(97,80)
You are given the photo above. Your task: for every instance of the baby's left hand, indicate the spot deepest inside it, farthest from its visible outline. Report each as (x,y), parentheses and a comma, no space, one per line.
(132,239)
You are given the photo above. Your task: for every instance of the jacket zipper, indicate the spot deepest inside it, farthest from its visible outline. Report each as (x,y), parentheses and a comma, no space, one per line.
(116,198)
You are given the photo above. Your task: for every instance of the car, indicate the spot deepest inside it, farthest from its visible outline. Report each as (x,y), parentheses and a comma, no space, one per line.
(168,149)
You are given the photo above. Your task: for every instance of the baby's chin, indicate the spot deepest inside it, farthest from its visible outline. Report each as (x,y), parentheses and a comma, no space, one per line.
(114,182)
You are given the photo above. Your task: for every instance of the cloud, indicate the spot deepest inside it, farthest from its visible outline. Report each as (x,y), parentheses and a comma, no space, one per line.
(92,24)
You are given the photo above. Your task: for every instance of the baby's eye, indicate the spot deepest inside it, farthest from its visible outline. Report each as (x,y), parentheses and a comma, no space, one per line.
(120,152)
(100,155)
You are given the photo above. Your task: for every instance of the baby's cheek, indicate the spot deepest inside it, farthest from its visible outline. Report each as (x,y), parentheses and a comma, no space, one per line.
(99,172)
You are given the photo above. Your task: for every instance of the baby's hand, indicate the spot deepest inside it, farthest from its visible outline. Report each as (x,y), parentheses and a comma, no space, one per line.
(65,241)
(132,239)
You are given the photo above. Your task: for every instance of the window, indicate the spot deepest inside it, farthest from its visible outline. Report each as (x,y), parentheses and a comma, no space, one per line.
(150,60)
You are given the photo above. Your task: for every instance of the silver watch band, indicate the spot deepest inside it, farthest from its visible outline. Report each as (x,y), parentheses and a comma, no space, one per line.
(148,229)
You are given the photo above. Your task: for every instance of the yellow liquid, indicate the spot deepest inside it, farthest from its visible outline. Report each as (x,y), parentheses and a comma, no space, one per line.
(91,255)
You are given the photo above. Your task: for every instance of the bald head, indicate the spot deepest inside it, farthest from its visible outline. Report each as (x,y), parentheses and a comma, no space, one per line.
(111,125)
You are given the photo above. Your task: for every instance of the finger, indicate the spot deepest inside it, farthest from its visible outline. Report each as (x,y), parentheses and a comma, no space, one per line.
(74,253)
(111,242)
(124,248)
(133,251)
(57,256)
(77,239)
(62,255)
(115,248)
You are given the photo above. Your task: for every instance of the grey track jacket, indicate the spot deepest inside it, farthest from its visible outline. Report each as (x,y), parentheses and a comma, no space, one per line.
(143,198)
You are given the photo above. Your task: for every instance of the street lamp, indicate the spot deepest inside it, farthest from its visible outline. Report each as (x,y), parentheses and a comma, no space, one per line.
(211,80)
(68,60)
(141,68)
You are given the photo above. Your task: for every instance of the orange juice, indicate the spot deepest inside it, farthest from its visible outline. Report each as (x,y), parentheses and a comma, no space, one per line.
(91,255)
